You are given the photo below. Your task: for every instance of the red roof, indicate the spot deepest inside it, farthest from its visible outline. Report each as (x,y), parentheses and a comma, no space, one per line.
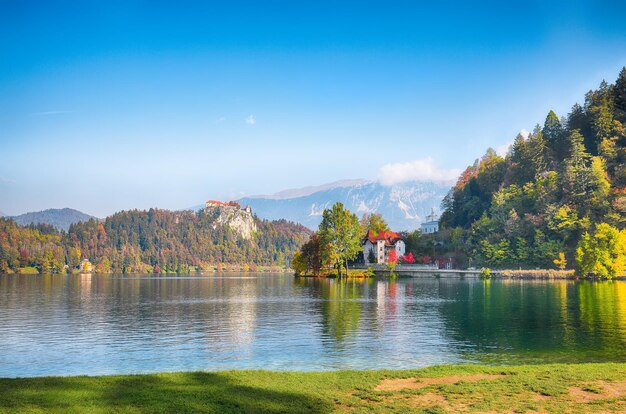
(221,203)
(390,237)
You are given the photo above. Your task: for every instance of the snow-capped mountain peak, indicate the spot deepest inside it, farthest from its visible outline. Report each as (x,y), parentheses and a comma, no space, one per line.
(404,205)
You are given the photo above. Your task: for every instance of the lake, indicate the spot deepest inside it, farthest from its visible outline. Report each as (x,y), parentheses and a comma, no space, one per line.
(81,324)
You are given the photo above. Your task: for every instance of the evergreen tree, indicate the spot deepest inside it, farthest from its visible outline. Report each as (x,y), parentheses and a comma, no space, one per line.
(521,156)
(554,136)
(578,182)
(576,176)
(619,93)
(538,151)
(578,119)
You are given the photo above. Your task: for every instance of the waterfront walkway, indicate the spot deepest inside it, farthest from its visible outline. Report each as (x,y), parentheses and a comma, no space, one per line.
(419,270)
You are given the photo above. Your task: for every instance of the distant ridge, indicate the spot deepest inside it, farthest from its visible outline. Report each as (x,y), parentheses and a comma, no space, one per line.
(404,206)
(312,189)
(61,218)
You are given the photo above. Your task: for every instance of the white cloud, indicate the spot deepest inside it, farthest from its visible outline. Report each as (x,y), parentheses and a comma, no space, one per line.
(418,170)
(220,120)
(504,149)
(7,180)
(525,133)
(250,120)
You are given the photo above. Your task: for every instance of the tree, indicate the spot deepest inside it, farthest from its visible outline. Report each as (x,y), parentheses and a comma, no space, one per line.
(620,95)
(538,150)
(579,119)
(73,257)
(602,122)
(602,255)
(497,254)
(561,262)
(392,260)
(310,255)
(408,258)
(339,234)
(557,184)
(600,186)
(374,222)
(298,264)
(371,256)
(417,243)
(577,175)
(521,156)
(553,133)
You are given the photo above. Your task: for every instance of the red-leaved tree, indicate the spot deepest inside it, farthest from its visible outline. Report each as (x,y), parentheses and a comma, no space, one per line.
(393,257)
(408,258)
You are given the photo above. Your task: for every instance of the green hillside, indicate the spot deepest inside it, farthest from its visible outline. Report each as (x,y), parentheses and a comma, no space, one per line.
(559,194)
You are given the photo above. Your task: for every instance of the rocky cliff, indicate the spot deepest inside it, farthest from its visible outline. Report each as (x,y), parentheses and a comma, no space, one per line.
(230,214)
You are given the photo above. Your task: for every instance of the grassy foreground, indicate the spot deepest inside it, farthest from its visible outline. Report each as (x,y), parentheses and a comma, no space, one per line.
(460,388)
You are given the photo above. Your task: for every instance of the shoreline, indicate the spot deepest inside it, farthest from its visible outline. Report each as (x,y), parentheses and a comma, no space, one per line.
(444,388)
(361,273)
(505,274)
(267,269)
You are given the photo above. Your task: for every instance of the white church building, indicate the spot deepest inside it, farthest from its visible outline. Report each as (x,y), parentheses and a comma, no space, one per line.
(431,225)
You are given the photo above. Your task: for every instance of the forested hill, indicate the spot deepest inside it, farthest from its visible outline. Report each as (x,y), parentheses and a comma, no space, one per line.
(144,241)
(61,218)
(556,189)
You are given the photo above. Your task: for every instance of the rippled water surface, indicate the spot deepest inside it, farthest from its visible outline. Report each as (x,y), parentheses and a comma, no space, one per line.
(118,324)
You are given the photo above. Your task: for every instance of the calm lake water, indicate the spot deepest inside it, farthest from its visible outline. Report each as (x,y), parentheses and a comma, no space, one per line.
(69,325)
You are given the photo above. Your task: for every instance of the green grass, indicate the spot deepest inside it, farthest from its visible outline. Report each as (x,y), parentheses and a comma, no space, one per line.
(533,388)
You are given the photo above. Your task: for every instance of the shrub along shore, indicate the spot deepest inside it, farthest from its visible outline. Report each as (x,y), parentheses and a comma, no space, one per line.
(567,388)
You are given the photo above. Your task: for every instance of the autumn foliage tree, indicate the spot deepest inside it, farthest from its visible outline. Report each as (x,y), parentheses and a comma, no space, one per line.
(408,258)
(374,222)
(392,260)
(602,255)
(145,241)
(547,198)
(560,262)
(309,258)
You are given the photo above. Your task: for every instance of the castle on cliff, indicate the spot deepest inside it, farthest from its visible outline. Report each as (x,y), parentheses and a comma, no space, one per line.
(232,204)
(232,215)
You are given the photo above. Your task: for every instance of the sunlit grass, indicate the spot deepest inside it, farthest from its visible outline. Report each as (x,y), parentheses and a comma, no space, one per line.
(458,388)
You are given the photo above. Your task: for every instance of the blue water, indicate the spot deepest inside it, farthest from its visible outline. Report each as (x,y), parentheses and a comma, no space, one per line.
(69,325)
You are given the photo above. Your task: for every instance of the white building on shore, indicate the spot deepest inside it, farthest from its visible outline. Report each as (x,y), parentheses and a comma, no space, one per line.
(431,225)
(378,246)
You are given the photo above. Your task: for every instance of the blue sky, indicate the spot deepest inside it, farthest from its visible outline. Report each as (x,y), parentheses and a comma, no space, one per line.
(108,105)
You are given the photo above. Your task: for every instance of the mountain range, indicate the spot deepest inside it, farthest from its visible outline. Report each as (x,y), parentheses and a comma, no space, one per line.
(403,206)
(61,218)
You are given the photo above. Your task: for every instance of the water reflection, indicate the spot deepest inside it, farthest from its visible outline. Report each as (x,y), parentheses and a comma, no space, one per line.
(526,321)
(92,324)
